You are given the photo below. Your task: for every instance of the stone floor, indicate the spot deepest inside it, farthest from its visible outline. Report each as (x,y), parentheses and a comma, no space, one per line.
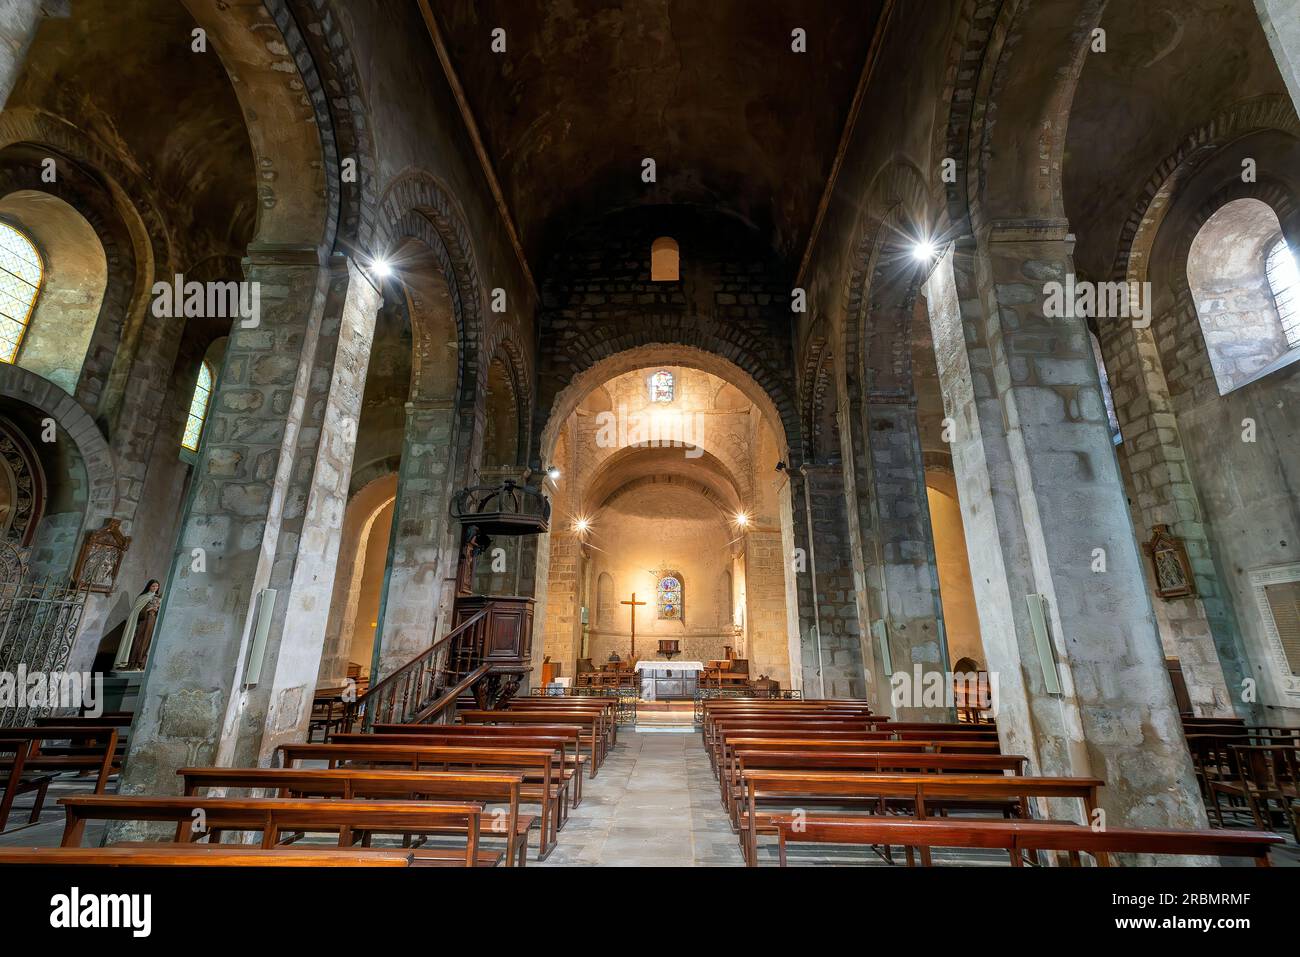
(653,804)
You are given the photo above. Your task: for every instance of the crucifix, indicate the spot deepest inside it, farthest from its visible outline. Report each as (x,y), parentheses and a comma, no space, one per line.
(632,613)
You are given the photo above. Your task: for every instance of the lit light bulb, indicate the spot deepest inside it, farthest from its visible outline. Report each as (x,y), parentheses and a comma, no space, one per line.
(381,268)
(553,474)
(923,251)
(581,526)
(742,519)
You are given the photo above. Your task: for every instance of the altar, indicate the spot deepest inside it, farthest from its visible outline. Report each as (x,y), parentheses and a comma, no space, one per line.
(665,680)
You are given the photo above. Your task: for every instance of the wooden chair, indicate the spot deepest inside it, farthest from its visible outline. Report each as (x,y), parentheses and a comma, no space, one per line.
(1267,775)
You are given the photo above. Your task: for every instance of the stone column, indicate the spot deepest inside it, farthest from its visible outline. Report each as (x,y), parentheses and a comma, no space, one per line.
(1040,495)
(898,578)
(278,708)
(831,615)
(18,22)
(422,551)
(1200,631)
(1281,22)
(194,685)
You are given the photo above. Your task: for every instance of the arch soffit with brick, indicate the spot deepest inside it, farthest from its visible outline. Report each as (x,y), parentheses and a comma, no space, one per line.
(287,118)
(74,424)
(768,393)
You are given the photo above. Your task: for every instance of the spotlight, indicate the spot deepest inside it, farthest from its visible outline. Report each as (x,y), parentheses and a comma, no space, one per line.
(553,473)
(381,268)
(923,251)
(581,526)
(742,519)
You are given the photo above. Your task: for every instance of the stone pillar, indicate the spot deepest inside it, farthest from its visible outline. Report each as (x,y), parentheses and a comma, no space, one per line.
(1040,494)
(243,495)
(1281,22)
(834,606)
(1200,631)
(898,578)
(278,708)
(422,550)
(18,22)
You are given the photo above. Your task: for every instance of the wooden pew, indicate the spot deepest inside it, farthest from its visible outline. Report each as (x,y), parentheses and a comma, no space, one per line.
(567,765)
(1017,837)
(792,787)
(607,704)
(733,726)
(205,855)
(100,755)
(353,783)
(551,794)
(868,762)
(607,709)
(571,734)
(590,723)
(276,817)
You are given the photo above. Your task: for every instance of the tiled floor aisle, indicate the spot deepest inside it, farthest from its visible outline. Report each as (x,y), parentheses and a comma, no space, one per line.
(653,804)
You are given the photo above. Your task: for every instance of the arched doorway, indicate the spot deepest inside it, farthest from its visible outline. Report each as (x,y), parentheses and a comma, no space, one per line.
(667,486)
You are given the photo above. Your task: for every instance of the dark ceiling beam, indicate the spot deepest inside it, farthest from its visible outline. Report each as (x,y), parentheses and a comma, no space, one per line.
(467,116)
(864,79)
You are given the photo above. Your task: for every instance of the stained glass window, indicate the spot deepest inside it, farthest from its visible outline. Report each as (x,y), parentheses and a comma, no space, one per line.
(20,281)
(198,408)
(661,387)
(670,597)
(1284,281)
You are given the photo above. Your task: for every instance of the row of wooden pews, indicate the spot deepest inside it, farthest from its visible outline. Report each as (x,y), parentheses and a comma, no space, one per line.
(831,772)
(31,756)
(468,794)
(1253,769)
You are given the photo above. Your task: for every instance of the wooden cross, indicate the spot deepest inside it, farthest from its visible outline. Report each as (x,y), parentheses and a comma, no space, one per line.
(632,613)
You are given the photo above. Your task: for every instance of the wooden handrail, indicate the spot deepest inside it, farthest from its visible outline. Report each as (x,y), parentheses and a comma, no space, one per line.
(431,714)
(404,692)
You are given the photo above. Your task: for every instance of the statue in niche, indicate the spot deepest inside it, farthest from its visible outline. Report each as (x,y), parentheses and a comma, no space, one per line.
(137,636)
(1169,563)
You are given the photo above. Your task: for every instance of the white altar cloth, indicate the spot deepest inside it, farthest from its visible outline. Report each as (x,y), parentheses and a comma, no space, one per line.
(669,666)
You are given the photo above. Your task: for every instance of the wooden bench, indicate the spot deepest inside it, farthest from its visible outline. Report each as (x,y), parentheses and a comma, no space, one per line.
(354,783)
(550,794)
(1017,837)
(866,762)
(205,855)
(100,755)
(793,787)
(572,734)
(565,742)
(276,817)
(728,726)
(608,705)
(592,725)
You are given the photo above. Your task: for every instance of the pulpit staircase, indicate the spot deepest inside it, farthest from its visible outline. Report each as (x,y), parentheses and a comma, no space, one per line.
(427,688)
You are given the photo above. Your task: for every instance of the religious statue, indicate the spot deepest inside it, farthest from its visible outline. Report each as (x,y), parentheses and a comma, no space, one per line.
(138,633)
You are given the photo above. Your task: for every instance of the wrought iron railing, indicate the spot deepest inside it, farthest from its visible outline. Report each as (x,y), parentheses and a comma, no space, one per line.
(38,624)
(627,699)
(409,692)
(705,694)
(505,509)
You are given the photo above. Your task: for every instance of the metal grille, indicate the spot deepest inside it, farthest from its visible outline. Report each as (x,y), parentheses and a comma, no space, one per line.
(627,699)
(38,623)
(703,694)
